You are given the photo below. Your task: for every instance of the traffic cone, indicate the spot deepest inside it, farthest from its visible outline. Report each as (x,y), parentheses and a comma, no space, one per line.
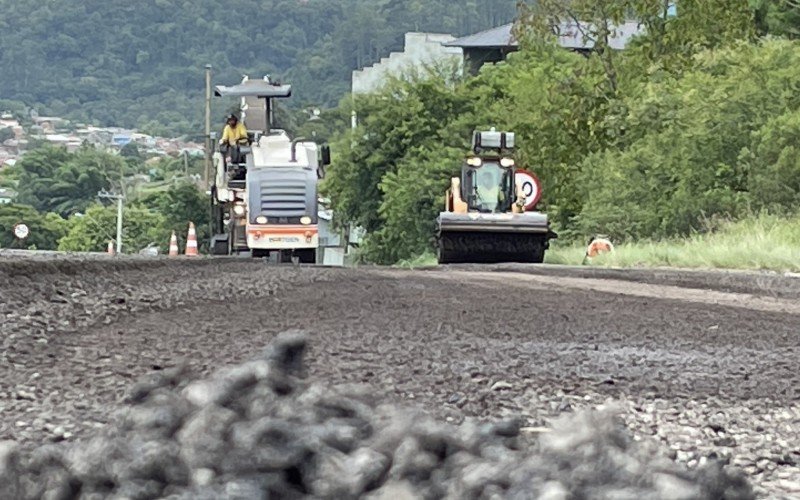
(173,245)
(191,241)
(110,250)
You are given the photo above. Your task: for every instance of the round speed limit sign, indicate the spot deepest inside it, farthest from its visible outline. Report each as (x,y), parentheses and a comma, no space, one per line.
(21,231)
(530,188)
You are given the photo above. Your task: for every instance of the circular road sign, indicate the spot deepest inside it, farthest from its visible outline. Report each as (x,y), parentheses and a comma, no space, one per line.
(530,187)
(21,231)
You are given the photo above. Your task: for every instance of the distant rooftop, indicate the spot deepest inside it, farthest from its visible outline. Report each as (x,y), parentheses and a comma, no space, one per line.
(575,36)
(494,38)
(53,119)
(571,36)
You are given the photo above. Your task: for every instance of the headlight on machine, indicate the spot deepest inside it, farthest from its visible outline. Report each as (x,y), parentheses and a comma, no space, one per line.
(474,162)
(507,162)
(261,219)
(238,209)
(305,220)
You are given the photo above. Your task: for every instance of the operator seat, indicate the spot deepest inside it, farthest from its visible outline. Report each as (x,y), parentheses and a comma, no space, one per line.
(240,167)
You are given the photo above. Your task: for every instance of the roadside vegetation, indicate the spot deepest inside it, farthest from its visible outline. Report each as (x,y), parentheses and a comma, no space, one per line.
(58,200)
(676,140)
(758,243)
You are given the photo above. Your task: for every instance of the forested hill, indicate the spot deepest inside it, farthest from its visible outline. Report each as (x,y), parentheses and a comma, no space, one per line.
(134,63)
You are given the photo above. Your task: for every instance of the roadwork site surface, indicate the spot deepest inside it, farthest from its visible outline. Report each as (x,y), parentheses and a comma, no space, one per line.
(704,365)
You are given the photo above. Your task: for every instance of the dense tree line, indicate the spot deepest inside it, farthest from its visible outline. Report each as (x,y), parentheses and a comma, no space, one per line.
(58,200)
(146,221)
(141,63)
(45,229)
(695,122)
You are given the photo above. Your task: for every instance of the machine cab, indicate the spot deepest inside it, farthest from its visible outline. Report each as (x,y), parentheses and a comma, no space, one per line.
(488,181)
(488,187)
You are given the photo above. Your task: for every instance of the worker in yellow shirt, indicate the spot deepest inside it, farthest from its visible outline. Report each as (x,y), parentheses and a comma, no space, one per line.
(233,135)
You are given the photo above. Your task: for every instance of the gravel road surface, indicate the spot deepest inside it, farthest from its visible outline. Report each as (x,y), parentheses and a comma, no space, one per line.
(704,363)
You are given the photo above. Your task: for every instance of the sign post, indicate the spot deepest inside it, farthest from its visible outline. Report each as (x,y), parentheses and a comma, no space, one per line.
(209,144)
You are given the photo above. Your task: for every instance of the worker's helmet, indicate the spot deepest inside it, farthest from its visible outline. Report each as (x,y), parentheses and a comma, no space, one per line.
(232,117)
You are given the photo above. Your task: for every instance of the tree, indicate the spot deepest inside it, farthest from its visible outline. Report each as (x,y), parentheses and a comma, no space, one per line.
(134,160)
(6,134)
(141,65)
(777,17)
(413,196)
(652,141)
(45,229)
(406,115)
(131,150)
(92,231)
(35,173)
(179,205)
(693,154)
(17,109)
(53,180)
(773,164)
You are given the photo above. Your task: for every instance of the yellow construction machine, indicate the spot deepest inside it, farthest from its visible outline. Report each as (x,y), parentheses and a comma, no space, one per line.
(490,211)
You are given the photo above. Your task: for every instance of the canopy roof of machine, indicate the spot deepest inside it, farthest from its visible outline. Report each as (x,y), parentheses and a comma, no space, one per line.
(254,88)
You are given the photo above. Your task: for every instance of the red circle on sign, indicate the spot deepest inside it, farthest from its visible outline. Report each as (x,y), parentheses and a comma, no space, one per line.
(531,188)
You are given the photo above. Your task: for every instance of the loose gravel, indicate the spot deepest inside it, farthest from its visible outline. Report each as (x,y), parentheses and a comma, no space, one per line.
(705,380)
(257,430)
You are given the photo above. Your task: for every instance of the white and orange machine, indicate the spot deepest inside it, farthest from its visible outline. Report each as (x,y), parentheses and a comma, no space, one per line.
(266,202)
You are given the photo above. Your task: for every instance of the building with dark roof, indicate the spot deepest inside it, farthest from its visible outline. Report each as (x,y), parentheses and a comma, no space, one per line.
(494,45)
(487,47)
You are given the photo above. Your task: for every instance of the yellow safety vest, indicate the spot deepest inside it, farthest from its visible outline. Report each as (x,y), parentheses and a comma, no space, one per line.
(234,135)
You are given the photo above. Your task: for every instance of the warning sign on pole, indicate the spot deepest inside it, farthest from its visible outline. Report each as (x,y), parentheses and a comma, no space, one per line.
(530,187)
(21,231)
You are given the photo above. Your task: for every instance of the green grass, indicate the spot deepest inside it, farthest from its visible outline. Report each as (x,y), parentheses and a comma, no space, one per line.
(424,260)
(760,243)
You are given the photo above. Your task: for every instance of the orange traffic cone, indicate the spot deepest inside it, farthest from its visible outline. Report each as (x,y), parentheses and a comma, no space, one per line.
(173,245)
(110,250)
(191,241)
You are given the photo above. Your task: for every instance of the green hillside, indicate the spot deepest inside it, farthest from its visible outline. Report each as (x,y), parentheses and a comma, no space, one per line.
(140,64)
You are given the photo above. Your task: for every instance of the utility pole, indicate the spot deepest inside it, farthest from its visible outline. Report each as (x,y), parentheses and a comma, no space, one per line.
(208,128)
(353,122)
(119,198)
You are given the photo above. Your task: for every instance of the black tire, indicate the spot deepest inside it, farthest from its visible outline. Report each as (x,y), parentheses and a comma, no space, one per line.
(259,253)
